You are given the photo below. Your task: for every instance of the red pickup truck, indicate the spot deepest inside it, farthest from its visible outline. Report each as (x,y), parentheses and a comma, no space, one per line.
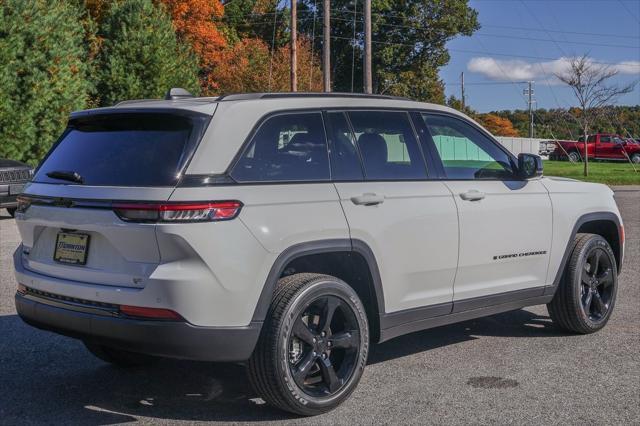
(599,147)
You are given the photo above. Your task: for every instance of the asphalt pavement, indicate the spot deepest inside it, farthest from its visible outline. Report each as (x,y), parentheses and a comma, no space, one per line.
(513,368)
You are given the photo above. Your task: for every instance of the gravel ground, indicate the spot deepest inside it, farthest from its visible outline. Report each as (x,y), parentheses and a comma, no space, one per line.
(509,368)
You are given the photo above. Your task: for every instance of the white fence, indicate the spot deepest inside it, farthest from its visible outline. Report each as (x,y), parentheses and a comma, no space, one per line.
(518,145)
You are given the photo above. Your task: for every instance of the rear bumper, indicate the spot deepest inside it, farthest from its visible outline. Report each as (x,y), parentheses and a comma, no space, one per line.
(161,338)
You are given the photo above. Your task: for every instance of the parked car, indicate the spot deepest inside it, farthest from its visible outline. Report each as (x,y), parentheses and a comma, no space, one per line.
(13,176)
(292,231)
(545,148)
(599,147)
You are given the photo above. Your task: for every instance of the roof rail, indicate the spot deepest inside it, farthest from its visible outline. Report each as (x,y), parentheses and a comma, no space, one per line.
(278,95)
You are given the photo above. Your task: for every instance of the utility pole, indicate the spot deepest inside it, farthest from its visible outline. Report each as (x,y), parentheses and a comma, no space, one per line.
(368,84)
(462,90)
(529,92)
(294,43)
(326,46)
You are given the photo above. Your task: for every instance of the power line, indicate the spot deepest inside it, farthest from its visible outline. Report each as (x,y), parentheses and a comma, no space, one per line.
(629,12)
(560,31)
(485,83)
(476,52)
(394,16)
(420,27)
(621,46)
(556,42)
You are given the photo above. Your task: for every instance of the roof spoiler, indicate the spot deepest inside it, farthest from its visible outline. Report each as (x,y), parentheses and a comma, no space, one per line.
(177,93)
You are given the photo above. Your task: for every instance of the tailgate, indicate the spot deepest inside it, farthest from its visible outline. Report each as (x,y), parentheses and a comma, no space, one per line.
(117,253)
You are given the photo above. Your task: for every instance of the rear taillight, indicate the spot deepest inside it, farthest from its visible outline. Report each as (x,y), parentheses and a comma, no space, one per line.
(178,212)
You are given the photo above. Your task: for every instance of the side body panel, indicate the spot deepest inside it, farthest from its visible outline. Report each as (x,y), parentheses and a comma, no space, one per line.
(274,216)
(414,236)
(571,200)
(505,238)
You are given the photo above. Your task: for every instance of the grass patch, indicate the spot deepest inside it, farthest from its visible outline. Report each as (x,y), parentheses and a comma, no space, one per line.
(612,173)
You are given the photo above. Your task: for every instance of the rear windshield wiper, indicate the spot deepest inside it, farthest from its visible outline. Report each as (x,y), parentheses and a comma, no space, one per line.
(66,175)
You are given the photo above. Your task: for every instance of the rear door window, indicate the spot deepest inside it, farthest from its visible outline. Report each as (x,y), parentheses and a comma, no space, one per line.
(286,147)
(388,145)
(132,149)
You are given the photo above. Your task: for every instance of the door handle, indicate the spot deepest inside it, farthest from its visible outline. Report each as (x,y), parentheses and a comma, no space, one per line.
(472,195)
(367,199)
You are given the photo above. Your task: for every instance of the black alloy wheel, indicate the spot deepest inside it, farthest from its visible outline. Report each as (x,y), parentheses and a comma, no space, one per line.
(313,345)
(597,284)
(586,293)
(323,346)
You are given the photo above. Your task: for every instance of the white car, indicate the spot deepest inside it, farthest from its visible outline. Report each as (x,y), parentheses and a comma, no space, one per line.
(292,231)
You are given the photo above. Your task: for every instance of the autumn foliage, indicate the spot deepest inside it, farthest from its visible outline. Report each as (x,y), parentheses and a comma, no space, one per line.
(244,65)
(193,21)
(248,66)
(498,126)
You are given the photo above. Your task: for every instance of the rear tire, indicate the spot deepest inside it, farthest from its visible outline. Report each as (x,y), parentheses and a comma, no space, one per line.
(12,211)
(635,158)
(313,346)
(118,357)
(586,295)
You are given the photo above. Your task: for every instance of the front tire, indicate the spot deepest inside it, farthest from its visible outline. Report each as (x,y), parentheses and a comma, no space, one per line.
(635,158)
(313,346)
(586,295)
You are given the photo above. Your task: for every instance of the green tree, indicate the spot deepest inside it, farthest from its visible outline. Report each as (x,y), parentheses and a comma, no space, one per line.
(456,103)
(409,43)
(140,55)
(43,75)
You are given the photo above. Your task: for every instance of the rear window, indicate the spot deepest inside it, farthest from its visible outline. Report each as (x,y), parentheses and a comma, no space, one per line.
(132,149)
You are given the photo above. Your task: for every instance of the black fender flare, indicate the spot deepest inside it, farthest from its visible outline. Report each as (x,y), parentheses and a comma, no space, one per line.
(586,218)
(317,247)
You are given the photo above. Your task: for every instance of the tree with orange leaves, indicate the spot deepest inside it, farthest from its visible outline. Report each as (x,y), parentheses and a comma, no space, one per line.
(498,126)
(193,21)
(248,66)
(236,64)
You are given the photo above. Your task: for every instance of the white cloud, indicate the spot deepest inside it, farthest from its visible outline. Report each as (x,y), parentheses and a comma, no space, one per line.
(519,70)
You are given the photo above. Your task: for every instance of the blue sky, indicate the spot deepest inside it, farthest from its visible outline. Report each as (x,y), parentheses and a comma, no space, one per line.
(503,51)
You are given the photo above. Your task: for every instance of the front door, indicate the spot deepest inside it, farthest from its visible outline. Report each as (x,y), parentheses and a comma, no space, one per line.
(606,147)
(505,223)
(408,221)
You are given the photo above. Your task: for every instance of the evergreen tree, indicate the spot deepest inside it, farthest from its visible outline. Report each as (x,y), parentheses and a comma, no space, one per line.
(141,56)
(43,75)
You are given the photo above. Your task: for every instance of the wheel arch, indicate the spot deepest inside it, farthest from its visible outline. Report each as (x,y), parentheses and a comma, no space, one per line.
(352,261)
(605,224)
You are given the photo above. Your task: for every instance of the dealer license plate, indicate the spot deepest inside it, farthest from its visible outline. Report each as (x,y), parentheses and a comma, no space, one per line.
(71,248)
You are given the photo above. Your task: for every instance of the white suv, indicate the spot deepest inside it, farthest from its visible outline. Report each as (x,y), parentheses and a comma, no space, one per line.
(292,230)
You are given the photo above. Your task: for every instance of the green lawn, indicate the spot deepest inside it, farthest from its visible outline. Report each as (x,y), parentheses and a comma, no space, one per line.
(611,173)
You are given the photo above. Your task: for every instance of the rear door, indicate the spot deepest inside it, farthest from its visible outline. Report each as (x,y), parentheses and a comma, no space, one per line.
(68,225)
(505,223)
(406,219)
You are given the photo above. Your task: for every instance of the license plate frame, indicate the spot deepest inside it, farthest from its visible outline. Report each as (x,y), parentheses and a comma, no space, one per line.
(76,250)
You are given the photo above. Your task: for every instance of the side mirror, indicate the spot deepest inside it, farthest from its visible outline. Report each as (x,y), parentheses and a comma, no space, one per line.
(529,166)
